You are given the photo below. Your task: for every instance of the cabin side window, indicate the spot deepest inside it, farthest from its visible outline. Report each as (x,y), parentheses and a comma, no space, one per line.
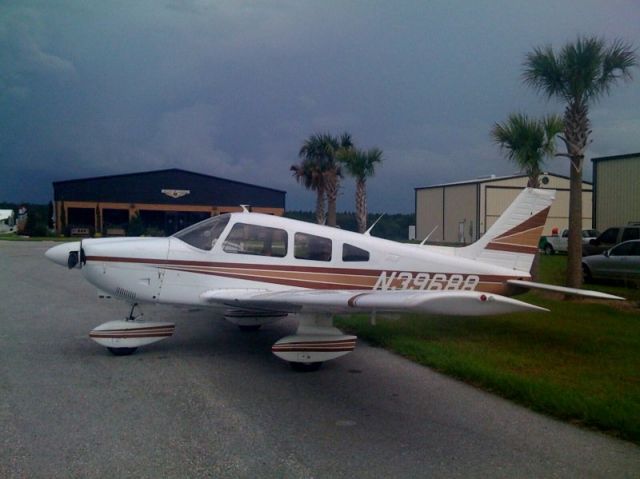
(256,240)
(353,253)
(204,235)
(311,247)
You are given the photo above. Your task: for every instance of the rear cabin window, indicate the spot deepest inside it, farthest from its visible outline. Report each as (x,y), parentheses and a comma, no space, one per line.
(353,253)
(256,240)
(314,248)
(204,235)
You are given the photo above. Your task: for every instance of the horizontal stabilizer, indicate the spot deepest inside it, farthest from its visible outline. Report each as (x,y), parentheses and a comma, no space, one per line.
(562,289)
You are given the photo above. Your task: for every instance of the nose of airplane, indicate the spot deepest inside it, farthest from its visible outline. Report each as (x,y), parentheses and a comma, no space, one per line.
(60,254)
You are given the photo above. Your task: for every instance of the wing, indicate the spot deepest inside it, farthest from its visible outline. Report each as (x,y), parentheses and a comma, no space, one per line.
(453,303)
(562,289)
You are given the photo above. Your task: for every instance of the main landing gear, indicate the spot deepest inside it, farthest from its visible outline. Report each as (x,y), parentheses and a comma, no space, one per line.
(123,337)
(315,342)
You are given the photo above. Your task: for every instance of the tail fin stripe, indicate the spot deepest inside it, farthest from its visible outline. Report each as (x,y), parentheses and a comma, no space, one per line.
(512,248)
(534,221)
(512,241)
(529,237)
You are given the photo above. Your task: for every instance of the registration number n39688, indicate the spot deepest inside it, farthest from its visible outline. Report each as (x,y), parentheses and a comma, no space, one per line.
(398,280)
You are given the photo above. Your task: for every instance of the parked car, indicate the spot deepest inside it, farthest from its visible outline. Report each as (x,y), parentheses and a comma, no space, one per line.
(620,262)
(556,243)
(611,237)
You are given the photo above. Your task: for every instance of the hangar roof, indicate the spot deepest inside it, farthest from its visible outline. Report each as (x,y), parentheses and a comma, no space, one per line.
(489,179)
(148,186)
(628,156)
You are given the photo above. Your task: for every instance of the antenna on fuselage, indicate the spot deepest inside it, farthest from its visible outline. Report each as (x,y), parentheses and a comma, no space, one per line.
(368,232)
(246,208)
(428,236)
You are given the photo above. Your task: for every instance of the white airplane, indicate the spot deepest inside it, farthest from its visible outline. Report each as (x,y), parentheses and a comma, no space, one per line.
(259,268)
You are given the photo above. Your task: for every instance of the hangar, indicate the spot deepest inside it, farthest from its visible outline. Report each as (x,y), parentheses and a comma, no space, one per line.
(616,185)
(461,212)
(162,201)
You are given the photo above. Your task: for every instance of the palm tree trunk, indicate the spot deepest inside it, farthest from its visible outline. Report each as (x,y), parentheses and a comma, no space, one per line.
(320,216)
(574,248)
(577,134)
(361,204)
(332,197)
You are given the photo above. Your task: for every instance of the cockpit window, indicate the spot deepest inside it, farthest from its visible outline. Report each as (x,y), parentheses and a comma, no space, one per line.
(353,253)
(257,240)
(204,235)
(315,248)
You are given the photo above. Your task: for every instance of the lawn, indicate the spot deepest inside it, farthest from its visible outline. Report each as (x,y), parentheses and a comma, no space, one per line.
(581,362)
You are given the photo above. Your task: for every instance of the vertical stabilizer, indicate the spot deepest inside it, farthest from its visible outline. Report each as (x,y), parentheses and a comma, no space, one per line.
(512,241)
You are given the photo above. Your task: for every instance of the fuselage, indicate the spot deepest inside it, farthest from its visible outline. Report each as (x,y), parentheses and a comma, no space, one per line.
(263,252)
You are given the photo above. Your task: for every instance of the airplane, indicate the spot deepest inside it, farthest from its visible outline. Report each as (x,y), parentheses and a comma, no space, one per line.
(257,268)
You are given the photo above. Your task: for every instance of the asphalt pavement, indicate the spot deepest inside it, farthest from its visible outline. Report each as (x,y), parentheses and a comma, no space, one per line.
(213,401)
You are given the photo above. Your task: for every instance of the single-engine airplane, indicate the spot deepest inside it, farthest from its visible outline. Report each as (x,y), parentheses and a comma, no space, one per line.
(259,268)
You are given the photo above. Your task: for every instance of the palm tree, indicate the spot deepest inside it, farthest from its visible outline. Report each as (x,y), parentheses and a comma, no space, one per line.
(321,172)
(333,148)
(527,141)
(308,173)
(579,74)
(361,165)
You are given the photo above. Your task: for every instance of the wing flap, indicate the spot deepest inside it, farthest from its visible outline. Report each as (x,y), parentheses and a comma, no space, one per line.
(452,303)
(563,289)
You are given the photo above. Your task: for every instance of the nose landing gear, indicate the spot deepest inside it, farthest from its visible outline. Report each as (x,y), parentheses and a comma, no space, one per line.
(123,337)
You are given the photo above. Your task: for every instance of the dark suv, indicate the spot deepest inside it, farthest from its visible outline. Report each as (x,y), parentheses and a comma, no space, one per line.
(611,237)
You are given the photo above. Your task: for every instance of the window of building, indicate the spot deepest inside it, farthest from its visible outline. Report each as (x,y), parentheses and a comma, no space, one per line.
(256,240)
(204,235)
(353,253)
(314,248)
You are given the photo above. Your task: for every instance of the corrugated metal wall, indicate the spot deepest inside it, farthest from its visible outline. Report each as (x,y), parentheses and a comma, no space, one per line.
(429,214)
(478,204)
(618,192)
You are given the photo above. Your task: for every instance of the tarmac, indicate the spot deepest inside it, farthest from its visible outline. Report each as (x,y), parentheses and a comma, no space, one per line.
(213,401)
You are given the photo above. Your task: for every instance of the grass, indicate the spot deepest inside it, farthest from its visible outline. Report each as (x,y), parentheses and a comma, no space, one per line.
(580,363)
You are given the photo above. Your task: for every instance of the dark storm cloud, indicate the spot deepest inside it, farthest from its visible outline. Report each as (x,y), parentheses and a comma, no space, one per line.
(233,88)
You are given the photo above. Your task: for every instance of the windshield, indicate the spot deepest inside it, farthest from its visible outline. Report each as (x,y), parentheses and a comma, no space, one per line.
(204,235)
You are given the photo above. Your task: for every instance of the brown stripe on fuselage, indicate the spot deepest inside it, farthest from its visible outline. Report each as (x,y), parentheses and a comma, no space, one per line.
(344,279)
(331,278)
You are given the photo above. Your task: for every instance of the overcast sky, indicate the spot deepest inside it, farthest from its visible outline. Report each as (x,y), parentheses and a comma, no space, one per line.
(232,88)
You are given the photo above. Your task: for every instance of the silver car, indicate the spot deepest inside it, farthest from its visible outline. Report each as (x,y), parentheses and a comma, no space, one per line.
(620,262)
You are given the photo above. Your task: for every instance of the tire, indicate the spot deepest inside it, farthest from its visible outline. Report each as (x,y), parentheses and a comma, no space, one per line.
(586,274)
(122,351)
(305,367)
(249,327)
(548,249)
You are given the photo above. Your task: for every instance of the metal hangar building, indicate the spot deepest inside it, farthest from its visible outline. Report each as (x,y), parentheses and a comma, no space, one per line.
(461,212)
(164,201)
(616,184)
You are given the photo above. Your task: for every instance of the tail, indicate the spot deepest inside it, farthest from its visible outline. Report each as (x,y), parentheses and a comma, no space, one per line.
(512,241)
